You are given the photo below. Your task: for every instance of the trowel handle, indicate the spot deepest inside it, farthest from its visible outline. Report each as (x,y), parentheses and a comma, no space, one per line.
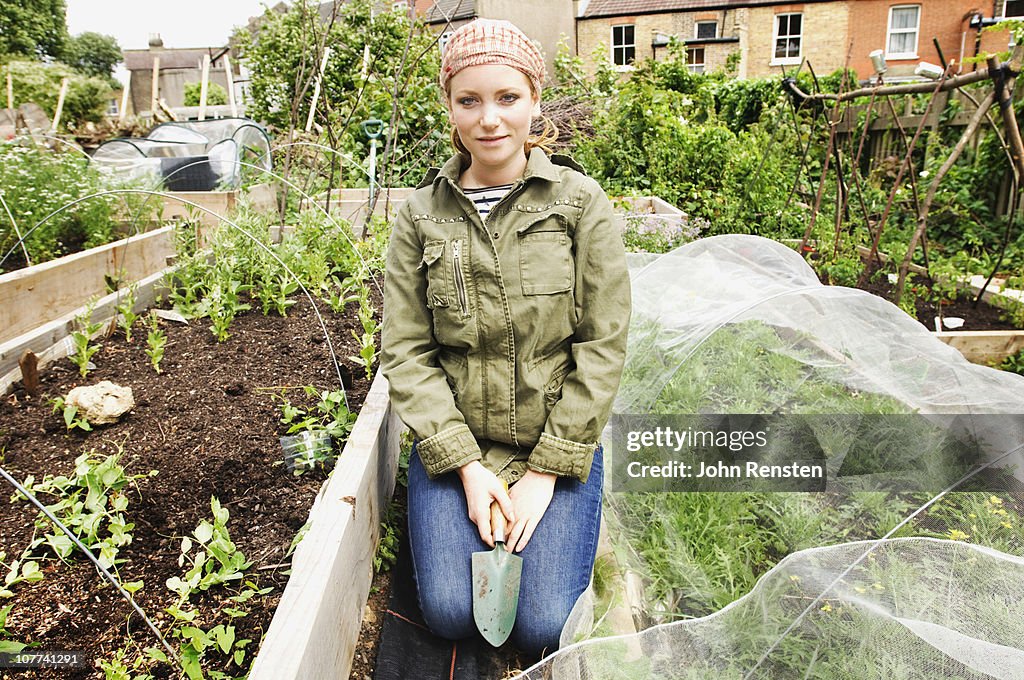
(498,518)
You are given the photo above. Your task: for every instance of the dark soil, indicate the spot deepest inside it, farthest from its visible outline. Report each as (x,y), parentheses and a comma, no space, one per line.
(980,317)
(209,424)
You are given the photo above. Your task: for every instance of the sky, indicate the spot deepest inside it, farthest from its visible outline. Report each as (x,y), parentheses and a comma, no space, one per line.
(181,23)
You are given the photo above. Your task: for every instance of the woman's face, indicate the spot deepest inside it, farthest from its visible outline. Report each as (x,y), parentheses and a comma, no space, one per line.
(491,106)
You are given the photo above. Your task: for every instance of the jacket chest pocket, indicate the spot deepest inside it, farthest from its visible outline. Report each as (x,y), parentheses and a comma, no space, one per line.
(446,275)
(437,283)
(545,259)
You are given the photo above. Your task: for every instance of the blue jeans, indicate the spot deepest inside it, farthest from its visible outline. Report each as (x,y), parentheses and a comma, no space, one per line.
(557,561)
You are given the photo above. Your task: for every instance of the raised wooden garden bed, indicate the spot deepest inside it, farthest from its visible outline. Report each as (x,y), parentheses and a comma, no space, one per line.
(184,426)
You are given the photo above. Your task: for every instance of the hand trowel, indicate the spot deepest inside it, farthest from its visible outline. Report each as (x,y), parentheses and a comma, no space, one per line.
(496,577)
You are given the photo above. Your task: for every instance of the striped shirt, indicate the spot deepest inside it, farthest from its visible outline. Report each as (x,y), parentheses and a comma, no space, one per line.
(486,198)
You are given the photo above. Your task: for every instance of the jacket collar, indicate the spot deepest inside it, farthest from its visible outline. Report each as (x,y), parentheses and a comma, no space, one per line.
(537,165)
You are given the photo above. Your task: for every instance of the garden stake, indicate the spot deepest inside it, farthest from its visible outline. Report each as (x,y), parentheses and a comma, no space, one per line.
(922,219)
(896,185)
(88,553)
(496,577)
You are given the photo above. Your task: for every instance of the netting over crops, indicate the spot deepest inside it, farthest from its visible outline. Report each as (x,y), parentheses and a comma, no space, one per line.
(750,582)
(190,155)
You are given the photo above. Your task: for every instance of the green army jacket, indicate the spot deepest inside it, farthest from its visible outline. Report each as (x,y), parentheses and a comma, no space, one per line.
(503,341)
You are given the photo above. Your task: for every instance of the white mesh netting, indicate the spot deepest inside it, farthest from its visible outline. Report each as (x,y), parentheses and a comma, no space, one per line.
(749,584)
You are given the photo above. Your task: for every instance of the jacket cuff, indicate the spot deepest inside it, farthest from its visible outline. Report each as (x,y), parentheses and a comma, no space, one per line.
(562,457)
(448,450)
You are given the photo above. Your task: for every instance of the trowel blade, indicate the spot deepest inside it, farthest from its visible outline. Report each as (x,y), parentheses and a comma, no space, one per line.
(496,578)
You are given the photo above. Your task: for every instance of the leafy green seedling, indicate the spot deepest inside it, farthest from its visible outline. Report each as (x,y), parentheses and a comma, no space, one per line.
(155,342)
(70,412)
(85,329)
(126,315)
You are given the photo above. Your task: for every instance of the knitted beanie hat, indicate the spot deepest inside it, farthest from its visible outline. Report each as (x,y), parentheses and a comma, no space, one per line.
(492,41)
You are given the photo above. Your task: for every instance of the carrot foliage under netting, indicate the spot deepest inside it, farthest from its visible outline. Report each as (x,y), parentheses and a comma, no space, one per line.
(892,546)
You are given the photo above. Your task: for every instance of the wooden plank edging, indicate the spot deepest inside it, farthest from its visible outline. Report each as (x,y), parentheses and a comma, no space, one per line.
(984,347)
(51,341)
(315,629)
(39,294)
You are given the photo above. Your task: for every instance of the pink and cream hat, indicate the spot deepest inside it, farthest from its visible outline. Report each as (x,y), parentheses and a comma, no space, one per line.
(492,41)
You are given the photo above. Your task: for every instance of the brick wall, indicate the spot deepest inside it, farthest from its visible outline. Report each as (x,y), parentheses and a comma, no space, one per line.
(591,33)
(825,37)
(945,20)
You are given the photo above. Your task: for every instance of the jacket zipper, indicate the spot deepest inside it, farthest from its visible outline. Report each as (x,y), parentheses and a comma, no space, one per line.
(460,283)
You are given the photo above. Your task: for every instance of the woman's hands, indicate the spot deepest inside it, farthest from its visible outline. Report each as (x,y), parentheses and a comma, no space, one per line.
(531,496)
(522,507)
(482,486)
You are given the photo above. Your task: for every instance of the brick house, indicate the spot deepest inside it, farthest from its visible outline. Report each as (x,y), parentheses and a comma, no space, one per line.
(767,36)
(762,36)
(908,30)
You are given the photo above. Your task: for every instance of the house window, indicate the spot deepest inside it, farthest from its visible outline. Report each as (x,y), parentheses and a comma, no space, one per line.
(623,44)
(705,30)
(1013,8)
(788,38)
(695,59)
(113,107)
(443,40)
(904,24)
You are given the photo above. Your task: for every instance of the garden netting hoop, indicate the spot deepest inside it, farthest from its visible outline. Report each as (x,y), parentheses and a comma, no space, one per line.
(189,155)
(907,432)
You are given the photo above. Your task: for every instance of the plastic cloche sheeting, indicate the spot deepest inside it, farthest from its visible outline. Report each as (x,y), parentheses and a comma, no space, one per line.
(738,324)
(190,155)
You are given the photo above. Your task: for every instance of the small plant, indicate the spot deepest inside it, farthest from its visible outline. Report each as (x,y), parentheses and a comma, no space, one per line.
(390,532)
(91,503)
(126,315)
(274,294)
(85,329)
(216,559)
(367,352)
(330,416)
(22,570)
(155,342)
(222,305)
(70,412)
(8,646)
(1014,363)
(343,292)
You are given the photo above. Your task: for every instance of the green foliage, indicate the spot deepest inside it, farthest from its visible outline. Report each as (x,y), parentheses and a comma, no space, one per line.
(282,60)
(8,646)
(702,142)
(92,54)
(155,342)
(35,183)
(38,82)
(70,414)
(213,561)
(35,29)
(215,94)
(216,560)
(328,415)
(390,533)
(92,503)
(126,316)
(1014,363)
(82,336)
(22,570)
